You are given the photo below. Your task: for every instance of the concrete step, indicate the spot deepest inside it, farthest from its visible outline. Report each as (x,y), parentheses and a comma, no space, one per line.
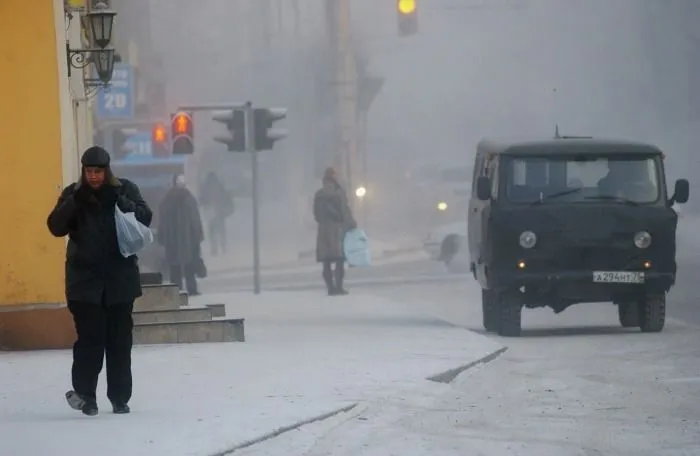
(157,297)
(225,330)
(151,278)
(217,310)
(186,314)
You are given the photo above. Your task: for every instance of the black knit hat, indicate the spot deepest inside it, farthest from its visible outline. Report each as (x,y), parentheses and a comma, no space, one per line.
(95,156)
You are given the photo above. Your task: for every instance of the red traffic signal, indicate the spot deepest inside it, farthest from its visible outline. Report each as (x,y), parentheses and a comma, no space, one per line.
(182,133)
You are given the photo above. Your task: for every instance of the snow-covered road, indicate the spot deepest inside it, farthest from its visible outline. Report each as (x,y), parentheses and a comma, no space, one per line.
(575,385)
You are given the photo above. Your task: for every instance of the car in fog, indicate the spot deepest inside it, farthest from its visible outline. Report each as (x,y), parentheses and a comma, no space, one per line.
(565,221)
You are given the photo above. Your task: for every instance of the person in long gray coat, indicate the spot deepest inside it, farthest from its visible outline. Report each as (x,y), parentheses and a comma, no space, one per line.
(181,233)
(334,217)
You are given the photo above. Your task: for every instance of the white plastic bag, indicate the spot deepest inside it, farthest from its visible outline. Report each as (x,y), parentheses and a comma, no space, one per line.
(356,248)
(132,235)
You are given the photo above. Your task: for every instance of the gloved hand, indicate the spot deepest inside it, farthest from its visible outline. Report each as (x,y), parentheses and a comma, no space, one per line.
(125,204)
(109,195)
(82,193)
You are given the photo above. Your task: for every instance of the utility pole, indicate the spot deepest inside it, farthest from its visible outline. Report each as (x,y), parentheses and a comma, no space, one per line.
(252,150)
(346,89)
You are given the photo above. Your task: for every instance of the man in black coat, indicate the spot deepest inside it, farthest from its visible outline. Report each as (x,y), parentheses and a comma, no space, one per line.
(101,285)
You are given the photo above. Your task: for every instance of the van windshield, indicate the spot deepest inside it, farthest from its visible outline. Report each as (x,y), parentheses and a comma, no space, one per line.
(586,178)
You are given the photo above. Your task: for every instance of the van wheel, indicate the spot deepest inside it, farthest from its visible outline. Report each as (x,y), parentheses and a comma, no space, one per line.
(489,310)
(628,314)
(652,313)
(510,308)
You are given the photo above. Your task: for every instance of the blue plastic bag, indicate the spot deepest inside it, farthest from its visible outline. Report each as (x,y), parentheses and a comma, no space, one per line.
(356,248)
(132,235)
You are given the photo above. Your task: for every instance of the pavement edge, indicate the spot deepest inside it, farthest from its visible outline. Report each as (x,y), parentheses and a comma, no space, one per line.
(449,375)
(284,429)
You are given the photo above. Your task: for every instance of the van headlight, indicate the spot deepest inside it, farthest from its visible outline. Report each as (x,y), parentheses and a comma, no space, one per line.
(528,239)
(642,240)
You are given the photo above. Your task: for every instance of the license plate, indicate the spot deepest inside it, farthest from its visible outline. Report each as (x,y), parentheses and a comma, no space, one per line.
(618,277)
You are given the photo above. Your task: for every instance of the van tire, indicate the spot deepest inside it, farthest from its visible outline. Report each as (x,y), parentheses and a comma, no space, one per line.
(489,310)
(628,314)
(652,313)
(510,308)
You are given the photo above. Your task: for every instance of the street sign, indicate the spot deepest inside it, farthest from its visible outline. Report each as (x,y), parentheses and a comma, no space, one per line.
(139,152)
(139,144)
(117,101)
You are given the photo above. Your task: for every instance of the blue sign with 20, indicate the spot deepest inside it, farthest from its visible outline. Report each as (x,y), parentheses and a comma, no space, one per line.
(117,101)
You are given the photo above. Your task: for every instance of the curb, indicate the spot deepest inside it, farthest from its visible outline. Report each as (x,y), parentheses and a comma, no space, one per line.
(449,375)
(354,283)
(285,429)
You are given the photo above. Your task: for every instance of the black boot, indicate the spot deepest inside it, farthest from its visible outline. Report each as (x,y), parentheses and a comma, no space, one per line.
(120,408)
(339,276)
(77,402)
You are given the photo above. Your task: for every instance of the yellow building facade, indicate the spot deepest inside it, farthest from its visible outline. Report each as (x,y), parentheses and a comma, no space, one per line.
(39,150)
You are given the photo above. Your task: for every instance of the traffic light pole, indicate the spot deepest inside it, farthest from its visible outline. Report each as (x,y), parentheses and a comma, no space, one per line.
(251,149)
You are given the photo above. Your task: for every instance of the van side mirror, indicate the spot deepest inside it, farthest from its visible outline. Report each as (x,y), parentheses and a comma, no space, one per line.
(681,192)
(483,188)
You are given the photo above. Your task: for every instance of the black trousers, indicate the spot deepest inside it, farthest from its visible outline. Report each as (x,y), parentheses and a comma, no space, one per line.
(176,273)
(338,274)
(103,330)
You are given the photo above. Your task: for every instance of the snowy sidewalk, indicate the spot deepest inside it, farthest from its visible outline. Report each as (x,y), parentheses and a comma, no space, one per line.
(284,258)
(305,356)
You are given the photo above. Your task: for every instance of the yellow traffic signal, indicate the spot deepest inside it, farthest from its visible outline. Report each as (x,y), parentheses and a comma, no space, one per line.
(406,6)
(407,12)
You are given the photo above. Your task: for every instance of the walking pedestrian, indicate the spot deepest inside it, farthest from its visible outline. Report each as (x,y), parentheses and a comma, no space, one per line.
(101,285)
(334,217)
(219,205)
(180,231)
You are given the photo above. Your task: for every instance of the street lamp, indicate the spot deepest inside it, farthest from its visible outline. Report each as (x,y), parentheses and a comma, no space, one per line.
(99,22)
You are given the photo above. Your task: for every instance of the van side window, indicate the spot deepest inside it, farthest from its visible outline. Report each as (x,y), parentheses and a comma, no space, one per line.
(478,171)
(492,174)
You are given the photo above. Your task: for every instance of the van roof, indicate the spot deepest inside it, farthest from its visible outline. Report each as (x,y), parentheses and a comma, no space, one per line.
(564,146)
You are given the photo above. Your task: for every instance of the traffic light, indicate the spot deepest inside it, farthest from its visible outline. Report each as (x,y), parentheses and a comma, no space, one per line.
(235,124)
(160,141)
(265,135)
(182,133)
(407,11)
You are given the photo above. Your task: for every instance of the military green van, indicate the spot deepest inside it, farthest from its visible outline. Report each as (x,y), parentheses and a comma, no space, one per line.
(565,221)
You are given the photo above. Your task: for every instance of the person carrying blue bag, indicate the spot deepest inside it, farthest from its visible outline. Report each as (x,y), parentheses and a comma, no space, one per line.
(334,217)
(101,282)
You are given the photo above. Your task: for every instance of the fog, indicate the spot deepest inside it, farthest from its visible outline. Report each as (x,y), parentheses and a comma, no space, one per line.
(475,69)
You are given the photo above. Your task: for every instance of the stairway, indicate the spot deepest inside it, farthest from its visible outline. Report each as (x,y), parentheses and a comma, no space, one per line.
(162,316)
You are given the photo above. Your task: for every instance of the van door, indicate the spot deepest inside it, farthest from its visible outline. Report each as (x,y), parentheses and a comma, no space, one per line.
(474,215)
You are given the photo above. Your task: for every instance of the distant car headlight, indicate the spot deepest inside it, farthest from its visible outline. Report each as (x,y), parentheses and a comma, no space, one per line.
(528,239)
(642,240)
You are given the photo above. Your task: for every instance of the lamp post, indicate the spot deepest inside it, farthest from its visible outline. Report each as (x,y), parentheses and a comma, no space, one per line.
(99,21)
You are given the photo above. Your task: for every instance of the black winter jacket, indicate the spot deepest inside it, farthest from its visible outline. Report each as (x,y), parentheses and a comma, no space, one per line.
(96,272)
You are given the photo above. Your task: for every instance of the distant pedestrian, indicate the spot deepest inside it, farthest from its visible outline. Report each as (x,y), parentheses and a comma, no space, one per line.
(334,217)
(219,205)
(181,233)
(101,285)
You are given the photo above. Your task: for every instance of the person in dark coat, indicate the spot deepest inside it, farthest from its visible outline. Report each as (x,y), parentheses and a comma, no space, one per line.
(181,233)
(219,202)
(334,217)
(101,285)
